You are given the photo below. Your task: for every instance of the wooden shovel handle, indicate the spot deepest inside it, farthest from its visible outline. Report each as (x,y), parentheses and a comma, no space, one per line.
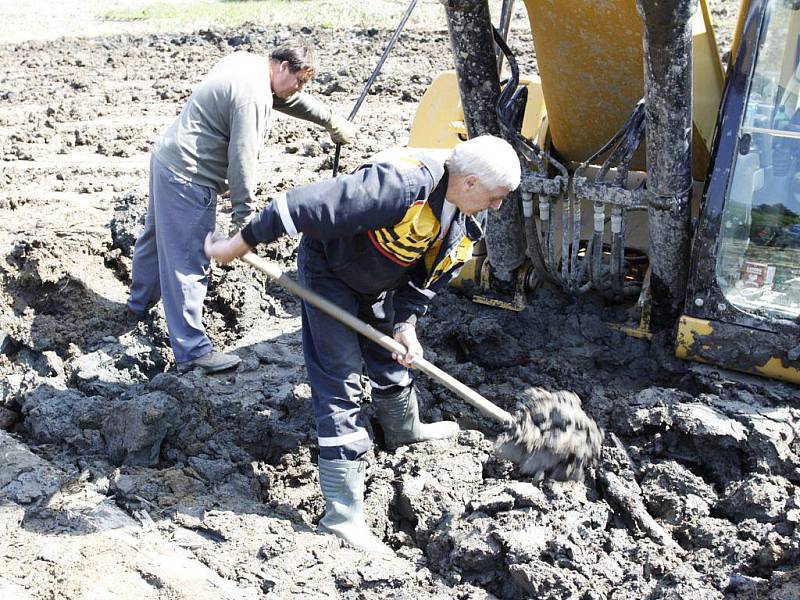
(275,273)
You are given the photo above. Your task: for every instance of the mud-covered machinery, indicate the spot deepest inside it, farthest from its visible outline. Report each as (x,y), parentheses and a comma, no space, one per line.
(650,173)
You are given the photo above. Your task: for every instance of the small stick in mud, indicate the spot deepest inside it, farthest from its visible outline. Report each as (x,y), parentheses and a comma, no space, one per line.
(551,436)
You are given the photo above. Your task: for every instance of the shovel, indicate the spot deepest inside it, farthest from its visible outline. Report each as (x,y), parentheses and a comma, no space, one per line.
(550,436)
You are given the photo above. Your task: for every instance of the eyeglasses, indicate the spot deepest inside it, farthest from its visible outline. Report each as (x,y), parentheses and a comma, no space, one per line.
(303,77)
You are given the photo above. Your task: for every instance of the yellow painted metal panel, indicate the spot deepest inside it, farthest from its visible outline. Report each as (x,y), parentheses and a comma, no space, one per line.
(589,54)
(774,369)
(439,120)
(439,111)
(690,344)
(708,79)
(744,7)
(688,327)
(590,59)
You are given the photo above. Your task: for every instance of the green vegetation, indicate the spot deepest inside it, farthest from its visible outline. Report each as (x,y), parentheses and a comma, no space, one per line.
(766,216)
(314,13)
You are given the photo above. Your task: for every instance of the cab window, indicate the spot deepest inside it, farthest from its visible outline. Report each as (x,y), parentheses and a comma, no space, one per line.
(758,264)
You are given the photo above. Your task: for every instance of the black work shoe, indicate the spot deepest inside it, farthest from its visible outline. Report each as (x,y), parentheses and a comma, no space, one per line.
(132,318)
(213,362)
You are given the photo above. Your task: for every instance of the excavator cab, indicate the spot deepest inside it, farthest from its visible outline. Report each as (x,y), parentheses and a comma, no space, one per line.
(653,176)
(743,297)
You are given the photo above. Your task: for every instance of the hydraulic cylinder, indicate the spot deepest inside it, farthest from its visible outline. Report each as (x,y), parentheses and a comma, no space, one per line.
(668,115)
(471,40)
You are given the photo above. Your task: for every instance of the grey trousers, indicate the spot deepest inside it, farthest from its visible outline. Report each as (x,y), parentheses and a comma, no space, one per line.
(169,261)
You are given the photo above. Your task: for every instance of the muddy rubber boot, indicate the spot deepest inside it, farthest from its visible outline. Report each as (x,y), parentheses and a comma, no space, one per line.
(398,415)
(342,483)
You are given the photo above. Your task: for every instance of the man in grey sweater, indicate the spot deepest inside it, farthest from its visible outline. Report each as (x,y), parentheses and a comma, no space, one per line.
(213,146)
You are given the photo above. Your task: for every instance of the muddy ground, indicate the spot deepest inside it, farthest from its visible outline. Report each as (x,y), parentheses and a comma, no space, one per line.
(120,478)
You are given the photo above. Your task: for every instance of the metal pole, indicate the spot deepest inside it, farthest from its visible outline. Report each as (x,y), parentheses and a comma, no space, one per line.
(472,43)
(506,10)
(372,77)
(668,114)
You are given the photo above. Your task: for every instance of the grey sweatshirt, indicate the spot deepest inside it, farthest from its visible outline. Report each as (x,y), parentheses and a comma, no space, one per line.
(216,139)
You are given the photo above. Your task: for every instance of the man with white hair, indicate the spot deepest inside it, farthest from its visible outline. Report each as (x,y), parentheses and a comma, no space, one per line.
(379,243)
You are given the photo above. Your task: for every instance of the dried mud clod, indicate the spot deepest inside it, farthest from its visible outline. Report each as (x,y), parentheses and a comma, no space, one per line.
(552,437)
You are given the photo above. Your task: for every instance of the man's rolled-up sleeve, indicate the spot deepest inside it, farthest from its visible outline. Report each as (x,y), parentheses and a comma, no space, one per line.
(247,129)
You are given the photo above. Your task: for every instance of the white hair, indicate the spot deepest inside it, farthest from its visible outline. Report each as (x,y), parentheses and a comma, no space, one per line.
(491,159)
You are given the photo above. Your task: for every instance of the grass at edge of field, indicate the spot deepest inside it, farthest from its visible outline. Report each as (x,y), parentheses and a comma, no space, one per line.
(335,14)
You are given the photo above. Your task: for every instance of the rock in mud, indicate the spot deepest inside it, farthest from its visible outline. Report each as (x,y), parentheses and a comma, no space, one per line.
(759,497)
(673,493)
(24,477)
(436,478)
(135,429)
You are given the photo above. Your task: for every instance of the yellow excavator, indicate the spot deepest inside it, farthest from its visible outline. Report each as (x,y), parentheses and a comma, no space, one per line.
(651,174)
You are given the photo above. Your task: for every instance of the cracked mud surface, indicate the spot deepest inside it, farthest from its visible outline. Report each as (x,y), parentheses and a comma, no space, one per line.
(121,479)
